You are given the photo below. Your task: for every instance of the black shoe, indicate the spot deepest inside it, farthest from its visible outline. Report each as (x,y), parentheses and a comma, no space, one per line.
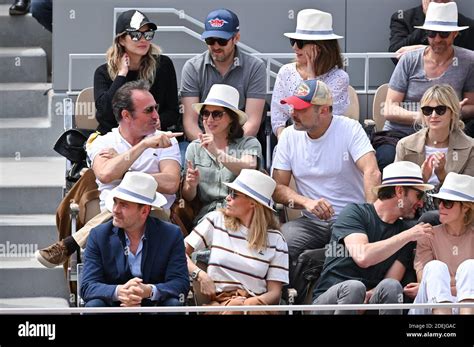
(20,7)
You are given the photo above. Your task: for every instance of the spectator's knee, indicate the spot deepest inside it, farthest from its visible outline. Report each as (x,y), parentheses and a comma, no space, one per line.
(467,266)
(96,303)
(391,285)
(434,266)
(355,290)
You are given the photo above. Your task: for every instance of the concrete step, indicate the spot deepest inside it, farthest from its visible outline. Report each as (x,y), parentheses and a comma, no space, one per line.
(25,277)
(38,302)
(23,64)
(25,231)
(35,35)
(32,137)
(31,185)
(20,100)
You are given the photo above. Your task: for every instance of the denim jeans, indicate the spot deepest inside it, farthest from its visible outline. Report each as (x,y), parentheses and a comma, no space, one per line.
(42,11)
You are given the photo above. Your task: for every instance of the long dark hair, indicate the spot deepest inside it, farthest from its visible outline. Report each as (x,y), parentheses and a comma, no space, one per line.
(235,129)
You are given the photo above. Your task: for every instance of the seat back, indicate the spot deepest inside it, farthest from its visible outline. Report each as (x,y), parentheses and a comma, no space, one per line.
(291,213)
(353,111)
(84,112)
(379,100)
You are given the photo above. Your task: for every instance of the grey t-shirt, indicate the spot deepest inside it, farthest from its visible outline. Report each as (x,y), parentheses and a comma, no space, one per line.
(247,75)
(409,78)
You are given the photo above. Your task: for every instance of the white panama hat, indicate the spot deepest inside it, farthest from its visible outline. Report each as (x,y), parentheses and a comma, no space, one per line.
(225,96)
(403,173)
(314,25)
(456,187)
(138,187)
(442,17)
(256,185)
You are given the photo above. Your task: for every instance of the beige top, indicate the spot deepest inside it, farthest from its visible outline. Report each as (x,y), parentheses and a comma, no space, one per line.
(451,250)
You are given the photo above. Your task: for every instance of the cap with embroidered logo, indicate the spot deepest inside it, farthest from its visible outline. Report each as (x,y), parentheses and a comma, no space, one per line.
(308,93)
(221,23)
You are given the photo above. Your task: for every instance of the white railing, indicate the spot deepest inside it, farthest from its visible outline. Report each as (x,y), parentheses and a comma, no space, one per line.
(269,57)
(189,309)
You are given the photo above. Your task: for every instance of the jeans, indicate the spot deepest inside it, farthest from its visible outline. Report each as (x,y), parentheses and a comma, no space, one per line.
(388,291)
(42,11)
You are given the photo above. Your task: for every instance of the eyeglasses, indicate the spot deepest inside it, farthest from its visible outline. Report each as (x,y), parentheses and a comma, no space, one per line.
(428,110)
(216,115)
(210,41)
(448,204)
(432,34)
(420,194)
(137,35)
(300,43)
(233,194)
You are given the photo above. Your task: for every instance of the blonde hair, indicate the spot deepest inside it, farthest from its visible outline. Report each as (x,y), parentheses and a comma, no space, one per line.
(263,220)
(469,216)
(444,94)
(148,63)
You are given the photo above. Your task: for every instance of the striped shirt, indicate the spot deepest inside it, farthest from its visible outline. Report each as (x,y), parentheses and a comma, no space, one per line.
(232,264)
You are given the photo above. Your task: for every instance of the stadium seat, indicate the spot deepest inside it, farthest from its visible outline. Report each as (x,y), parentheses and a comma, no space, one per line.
(379,99)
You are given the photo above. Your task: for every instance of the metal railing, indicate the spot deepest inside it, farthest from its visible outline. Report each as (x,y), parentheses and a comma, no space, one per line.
(268,57)
(201,309)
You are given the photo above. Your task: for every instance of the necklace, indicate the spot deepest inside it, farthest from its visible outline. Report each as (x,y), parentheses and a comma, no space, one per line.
(436,64)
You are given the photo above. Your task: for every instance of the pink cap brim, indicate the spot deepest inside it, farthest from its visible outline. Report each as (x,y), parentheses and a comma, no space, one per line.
(296,102)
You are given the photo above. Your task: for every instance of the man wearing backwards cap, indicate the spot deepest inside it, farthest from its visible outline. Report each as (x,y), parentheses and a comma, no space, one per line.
(369,249)
(331,161)
(223,63)
(134,259)
(135,145)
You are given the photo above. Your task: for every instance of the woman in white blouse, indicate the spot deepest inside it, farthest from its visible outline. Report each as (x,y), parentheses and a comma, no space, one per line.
(317,56)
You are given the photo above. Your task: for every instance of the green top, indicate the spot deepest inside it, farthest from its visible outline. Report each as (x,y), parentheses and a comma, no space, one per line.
(211,191)
(339,265)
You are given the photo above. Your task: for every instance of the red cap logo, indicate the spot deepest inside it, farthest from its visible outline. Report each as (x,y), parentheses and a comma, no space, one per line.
(302,90)
(217,23)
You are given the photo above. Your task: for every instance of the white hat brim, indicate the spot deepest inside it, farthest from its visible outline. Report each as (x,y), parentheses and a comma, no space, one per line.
(158,202)
(441,28)
(243,191)
(449,196)
(425,186)
(313,37)
(242,115)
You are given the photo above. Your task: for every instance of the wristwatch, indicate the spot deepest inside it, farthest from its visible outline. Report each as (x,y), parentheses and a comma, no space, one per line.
(195,274)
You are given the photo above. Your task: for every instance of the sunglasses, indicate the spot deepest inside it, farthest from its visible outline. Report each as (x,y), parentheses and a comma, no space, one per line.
(233,194)
(216,115)
(432,34)
(210,41)
(428,110)
(448,204)
(420,194)
(300,43)
(137,35)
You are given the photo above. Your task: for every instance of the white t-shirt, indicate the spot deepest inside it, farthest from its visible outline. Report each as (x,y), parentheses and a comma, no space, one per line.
(432,150)
(325,167)
(232,264)
(148,162)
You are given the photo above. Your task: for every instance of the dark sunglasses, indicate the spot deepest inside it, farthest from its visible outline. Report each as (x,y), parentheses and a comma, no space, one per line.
(448,204)
(432,34)
(300,43)
(420,194)
(233,194)
(210,41)
(216,115)
(137,35)
(428,110)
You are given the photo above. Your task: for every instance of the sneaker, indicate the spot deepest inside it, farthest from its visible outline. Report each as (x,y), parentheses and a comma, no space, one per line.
(54,255)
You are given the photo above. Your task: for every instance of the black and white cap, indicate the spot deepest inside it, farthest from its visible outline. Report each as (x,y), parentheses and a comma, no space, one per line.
(132,20)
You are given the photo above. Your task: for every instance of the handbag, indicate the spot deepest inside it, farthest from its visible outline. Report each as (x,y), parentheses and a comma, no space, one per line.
(71,144)
(182,212)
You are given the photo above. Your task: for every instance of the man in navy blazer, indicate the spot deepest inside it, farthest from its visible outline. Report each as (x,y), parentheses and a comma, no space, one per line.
(135,259)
